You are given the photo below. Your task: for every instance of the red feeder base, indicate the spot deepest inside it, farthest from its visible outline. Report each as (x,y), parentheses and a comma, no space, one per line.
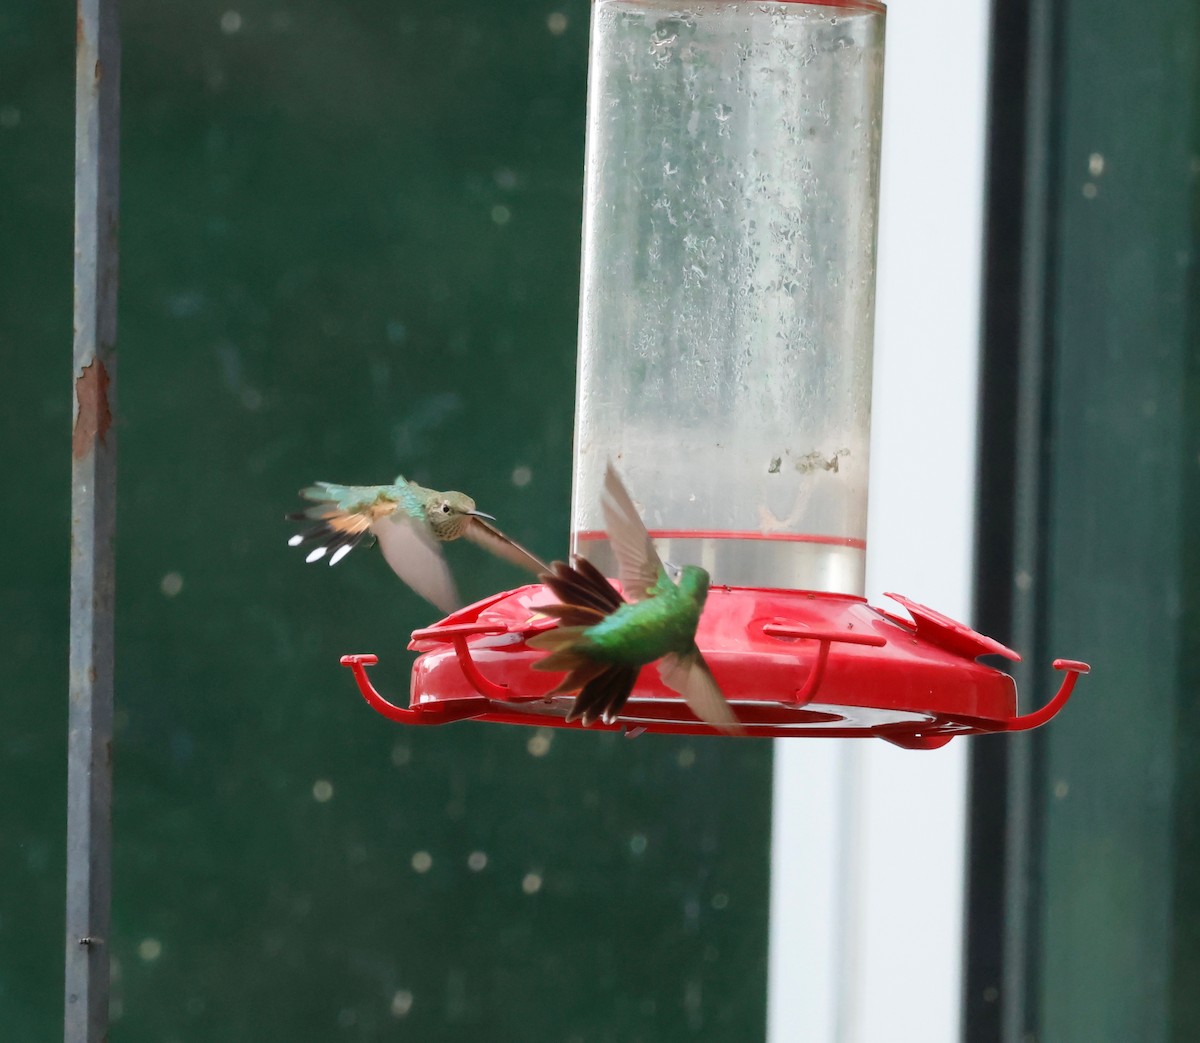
(791,663)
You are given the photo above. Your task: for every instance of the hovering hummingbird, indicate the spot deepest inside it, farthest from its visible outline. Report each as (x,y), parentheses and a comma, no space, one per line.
(411,523)
(604,640)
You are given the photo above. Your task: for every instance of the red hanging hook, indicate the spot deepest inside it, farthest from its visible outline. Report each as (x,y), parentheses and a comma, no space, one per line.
(1074,669)
(443,713)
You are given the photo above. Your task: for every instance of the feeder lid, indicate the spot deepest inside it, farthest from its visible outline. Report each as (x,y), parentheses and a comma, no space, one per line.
(791,663)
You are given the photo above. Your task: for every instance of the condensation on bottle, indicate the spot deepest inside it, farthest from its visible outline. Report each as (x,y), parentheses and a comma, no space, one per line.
(728,281)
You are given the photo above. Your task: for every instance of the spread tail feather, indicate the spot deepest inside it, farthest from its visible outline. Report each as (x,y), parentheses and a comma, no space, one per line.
(582,585)
(337,532)
(337,535)
(603,697)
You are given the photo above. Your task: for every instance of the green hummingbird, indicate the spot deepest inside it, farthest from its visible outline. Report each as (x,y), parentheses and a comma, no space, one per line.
(604,640)
(411,523)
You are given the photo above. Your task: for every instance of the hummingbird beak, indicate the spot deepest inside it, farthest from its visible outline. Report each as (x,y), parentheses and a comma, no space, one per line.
(480,514)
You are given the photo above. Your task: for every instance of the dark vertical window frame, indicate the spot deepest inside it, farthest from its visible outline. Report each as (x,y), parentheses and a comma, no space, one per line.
(1014,445)
(1093,387)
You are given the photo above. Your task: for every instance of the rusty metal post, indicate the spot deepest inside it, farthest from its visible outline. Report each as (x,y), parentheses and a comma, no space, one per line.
(93,516)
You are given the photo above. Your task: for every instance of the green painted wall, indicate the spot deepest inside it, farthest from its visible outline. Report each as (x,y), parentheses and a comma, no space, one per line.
(350,240)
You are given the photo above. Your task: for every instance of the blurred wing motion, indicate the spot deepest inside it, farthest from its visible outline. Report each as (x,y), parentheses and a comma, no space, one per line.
(638,564)
(492,539)
(416,557)
(346,515)
(690,676)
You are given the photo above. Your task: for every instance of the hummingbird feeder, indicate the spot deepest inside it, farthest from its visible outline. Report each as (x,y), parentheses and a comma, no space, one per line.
(725,347)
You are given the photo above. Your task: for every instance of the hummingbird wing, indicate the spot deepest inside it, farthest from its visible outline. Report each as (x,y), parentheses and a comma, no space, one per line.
(492,539)
(638,562)
(690,676)
(416,557)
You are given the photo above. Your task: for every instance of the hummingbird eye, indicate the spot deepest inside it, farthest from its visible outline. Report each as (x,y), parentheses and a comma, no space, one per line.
(445,508)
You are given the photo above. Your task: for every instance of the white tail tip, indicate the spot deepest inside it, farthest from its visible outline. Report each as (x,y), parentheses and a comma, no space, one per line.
(340,553)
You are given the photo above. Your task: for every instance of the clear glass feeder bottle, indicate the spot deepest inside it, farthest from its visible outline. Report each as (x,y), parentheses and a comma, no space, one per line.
(727,303)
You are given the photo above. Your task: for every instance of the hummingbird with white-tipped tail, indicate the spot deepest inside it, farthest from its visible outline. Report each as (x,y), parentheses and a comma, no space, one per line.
(410,523)
(603,639)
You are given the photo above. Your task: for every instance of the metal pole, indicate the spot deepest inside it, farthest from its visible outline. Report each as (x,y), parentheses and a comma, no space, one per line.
(93,511)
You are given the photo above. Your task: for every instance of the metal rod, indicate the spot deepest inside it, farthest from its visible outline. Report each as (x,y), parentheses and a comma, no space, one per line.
(93,516)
